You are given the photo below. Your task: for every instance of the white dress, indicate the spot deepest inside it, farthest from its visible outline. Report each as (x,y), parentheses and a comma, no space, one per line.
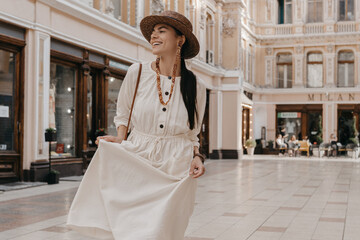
(141,189)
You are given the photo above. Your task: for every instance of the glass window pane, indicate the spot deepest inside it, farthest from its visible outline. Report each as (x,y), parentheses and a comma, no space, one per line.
(319,11)
(7,101)
(311,12)
(315,75)
(280,70)
(113,91)
(90,124)
(288,13)
(284,58)
(346,56)
(289,76)
(341,75)
(350,10)
(342,10)
(315,57)
(62,108)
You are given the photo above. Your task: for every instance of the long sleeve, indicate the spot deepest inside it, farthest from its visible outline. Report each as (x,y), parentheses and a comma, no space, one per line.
(125,96)
(200,104)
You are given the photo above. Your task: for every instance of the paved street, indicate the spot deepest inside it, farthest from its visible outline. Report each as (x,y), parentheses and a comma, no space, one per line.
(255,199)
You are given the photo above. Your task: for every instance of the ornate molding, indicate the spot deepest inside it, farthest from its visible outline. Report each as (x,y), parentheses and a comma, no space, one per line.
(157,6)
(229,25)
(269,51)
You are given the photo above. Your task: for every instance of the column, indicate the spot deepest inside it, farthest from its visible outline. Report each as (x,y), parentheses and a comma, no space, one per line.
(299,66)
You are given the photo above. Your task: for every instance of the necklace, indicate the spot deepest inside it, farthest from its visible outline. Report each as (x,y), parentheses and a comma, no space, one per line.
(158,82)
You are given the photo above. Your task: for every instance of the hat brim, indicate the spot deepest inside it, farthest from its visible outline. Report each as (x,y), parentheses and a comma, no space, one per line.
(191,47)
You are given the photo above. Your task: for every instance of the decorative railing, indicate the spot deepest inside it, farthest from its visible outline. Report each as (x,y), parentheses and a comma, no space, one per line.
(346,27)
(283,30)
(316,28)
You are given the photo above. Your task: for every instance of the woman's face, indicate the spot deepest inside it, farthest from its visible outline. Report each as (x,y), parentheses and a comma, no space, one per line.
(164,40)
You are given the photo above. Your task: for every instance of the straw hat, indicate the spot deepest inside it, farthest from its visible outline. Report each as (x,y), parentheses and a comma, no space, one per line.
(176,20)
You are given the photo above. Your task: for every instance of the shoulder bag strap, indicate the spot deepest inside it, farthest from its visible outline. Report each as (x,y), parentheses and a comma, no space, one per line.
(132,105)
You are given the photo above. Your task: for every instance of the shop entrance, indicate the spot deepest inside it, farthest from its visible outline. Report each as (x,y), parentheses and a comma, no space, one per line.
(348,123)
(11,113)
(301,121)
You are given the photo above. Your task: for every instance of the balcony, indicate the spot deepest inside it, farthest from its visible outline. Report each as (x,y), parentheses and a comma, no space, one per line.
(345,27)
(283,30)
(314,28)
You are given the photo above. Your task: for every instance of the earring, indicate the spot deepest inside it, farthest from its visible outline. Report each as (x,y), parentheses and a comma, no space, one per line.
(178,52)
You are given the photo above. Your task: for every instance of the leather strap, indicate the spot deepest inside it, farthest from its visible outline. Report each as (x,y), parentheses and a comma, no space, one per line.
(132,105)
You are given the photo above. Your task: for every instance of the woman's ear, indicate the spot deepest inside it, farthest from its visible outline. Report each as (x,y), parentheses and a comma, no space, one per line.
(182,40)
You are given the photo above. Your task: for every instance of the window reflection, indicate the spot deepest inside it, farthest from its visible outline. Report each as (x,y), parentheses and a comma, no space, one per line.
(7,102)
(113,91)
(62,108)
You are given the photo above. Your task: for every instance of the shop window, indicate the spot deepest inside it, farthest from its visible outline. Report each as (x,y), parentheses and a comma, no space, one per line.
(284,70)
(346,10)
(345,76)
(7,100)
(315,11)
(114,84)
(62,111)
(285,11)
(289,124)
(314,130)
(348,126)
(314,70)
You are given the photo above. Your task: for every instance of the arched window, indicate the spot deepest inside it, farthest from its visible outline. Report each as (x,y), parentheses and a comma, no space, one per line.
(285,11)
(345,75)
(284,70)
(315,11)
(314,70)
(346,10)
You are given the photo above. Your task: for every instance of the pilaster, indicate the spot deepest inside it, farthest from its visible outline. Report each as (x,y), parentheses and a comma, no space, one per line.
(299,66)
(330,66)
(269,65)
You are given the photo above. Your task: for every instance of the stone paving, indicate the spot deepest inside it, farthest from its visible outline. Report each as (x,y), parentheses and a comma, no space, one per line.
(259,198)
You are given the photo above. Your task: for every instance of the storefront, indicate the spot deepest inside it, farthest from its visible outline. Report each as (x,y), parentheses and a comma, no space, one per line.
(348,123)
(12,42)
(83,91)
(301,121)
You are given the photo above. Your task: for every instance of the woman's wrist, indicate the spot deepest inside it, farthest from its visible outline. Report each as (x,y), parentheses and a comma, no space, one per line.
(201,156)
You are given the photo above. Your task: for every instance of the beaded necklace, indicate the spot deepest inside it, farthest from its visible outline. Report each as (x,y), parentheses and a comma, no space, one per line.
(158,82)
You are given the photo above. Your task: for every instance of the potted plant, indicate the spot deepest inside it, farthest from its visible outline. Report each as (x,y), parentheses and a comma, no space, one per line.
(250,145)
(53,177)
(50,135)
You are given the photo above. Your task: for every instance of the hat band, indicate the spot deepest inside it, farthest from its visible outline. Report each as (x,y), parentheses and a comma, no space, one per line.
(178,22)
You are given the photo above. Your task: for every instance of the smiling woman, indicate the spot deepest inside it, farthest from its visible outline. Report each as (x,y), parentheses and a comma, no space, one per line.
(144,187)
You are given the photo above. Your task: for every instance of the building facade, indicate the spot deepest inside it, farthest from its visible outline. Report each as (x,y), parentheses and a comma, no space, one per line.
(267,65)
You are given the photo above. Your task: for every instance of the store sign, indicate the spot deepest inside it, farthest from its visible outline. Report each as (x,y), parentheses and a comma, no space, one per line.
(289,115)
(118,65)
(332,97)
(4,111)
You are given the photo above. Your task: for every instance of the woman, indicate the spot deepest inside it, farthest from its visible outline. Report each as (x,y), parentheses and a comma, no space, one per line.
(144,187)
(293,146)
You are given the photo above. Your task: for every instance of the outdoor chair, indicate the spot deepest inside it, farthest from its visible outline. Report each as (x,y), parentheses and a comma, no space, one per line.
(352,150)
(341,149)
(282,149)
(304,147)
(324,148)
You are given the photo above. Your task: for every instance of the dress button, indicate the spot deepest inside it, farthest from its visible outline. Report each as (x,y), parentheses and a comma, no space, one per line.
(169,77)
(161,126)
(166,93)
(164,109)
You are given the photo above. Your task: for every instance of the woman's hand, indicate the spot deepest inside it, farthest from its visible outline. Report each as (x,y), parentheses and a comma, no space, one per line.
(197,168)
(109,138)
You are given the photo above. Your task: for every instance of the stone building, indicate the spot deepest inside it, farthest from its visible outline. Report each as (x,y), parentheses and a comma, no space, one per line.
(267,64)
